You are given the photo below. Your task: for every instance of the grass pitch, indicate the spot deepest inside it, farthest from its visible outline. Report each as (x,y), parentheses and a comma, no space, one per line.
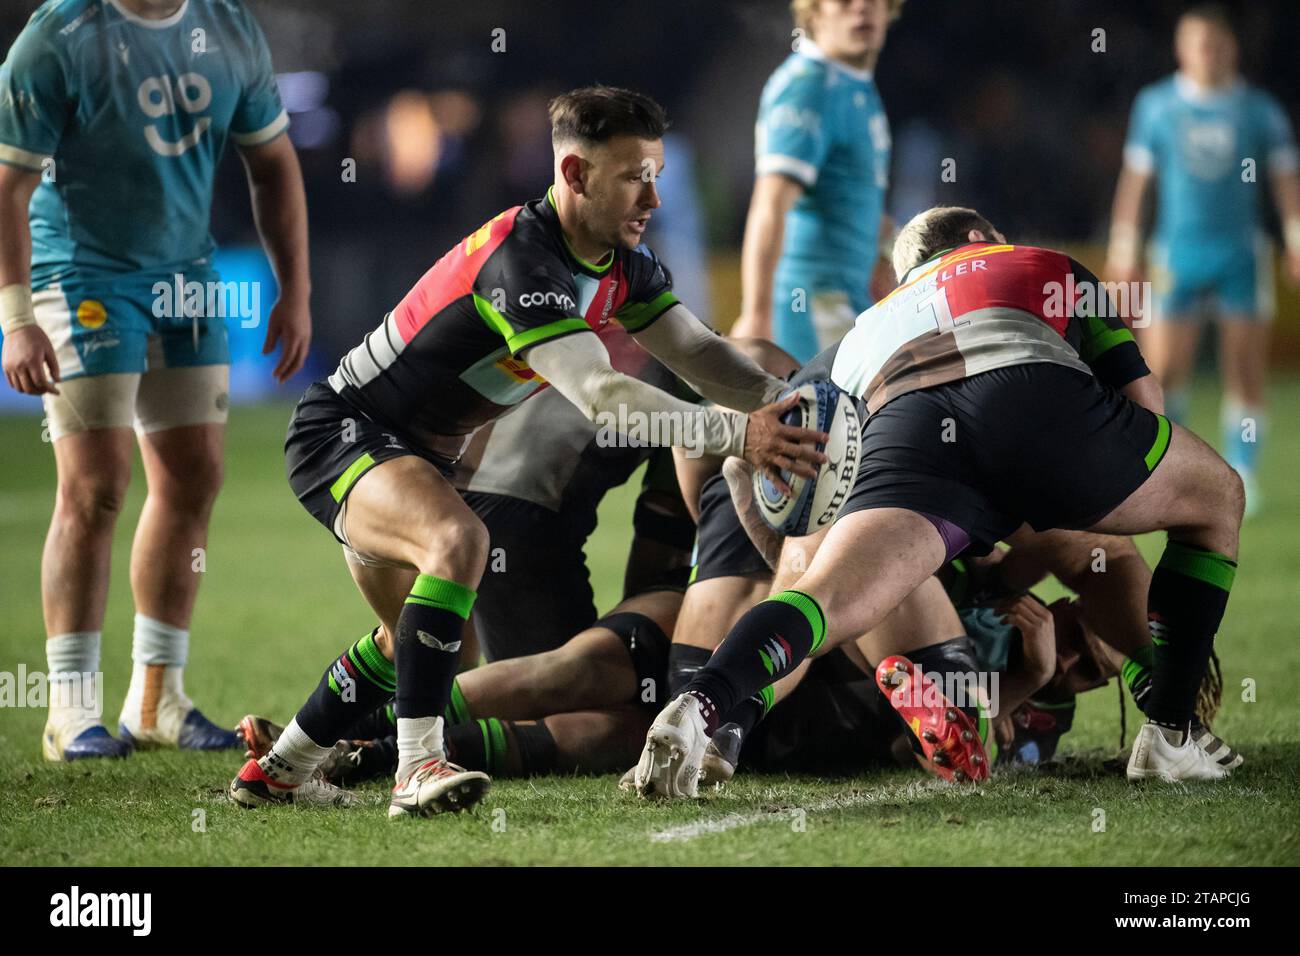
(277,603)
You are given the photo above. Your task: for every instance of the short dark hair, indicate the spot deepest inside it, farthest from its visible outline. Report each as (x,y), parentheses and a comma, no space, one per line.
(931,232)
(594,114)
(1215,14)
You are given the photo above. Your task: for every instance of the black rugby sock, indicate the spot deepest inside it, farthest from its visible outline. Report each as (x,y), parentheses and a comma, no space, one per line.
(502,748)
(684,661)
(767,643)
(428,645)
(357,682)
(1188,595)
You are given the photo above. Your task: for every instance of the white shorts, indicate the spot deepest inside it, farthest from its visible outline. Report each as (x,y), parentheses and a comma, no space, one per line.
(154,401)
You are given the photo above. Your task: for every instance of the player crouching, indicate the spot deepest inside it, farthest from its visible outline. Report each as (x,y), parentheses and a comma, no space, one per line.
(1055,421)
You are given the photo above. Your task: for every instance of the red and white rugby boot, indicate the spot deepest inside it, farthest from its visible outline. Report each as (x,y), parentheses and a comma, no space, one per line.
(948,737)
(253,787)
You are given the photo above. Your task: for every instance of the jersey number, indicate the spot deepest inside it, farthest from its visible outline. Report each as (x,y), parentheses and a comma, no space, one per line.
(937,303)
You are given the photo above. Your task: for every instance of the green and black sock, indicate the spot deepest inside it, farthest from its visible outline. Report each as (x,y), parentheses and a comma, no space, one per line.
(1188,595)
(1136,672)
(502,747)
(428,645)
(767,643)
(358,682)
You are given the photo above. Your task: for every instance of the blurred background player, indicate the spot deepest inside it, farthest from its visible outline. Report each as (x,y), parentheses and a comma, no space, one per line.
(816,249)
(1203,133)
(113,117)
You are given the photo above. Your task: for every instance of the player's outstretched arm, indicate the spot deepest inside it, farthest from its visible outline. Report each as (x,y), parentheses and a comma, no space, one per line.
(1286,193)
(280,211)
(578,367)
(28,355)
(707,362)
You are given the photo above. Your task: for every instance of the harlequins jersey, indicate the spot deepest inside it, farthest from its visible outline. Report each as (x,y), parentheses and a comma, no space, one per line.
(451,356)
(979,307)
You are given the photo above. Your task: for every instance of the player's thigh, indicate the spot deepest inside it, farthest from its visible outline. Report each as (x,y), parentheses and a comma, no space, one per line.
(89,423)
(403,509)
(1191,490)
(868,563)
(796,557)
(923,618)
(711,607)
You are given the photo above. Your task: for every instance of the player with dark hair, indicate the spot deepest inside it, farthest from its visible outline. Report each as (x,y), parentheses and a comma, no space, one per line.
(999,390)
(1195,133)
(509,310)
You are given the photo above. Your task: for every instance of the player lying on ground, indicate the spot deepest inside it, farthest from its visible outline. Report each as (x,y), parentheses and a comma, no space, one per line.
(511,308)
(1052,418)
(581,707)
(1099,634)
(111,130)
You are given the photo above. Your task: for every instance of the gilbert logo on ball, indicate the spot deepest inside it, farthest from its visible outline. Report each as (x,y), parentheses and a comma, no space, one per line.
(814,502)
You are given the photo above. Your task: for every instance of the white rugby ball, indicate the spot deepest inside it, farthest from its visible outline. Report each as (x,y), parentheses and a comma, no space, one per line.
(815,502)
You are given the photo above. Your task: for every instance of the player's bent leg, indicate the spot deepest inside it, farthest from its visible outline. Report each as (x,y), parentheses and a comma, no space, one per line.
(89,424)
(869,561)
(183,467)
(404,510)
(1243,356)
(1198,499)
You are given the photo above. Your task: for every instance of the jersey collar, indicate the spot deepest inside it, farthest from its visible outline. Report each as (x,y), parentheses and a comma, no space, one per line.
(583,264)
(811,50)
(145,21)
(1193,92)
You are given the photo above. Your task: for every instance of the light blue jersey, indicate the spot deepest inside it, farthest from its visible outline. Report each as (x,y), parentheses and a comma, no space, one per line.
(1212,153)
(127,118)
(823,124)
(135,115)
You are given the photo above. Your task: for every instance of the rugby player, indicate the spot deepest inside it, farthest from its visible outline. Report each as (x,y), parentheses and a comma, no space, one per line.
(510,309)
(992,401)
(113,117)
(1200,133)
(817,238)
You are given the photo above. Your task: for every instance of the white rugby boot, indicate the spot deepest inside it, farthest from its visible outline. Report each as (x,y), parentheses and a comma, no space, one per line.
(674,751)
(1154,757)
(437,786)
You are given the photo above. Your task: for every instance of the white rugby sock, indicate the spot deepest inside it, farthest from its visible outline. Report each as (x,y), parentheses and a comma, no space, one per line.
(158,655)
(75,681)
(418,739)
(293,757)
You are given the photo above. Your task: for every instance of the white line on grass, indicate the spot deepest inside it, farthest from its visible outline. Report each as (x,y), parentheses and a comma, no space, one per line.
(732,821)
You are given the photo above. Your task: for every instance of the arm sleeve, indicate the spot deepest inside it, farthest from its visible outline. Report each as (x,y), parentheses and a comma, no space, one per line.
(708,363)
(1279,141)
(791,136)
(1141,145)
(578,368)
(259,116)
(1105,342)
(34,100)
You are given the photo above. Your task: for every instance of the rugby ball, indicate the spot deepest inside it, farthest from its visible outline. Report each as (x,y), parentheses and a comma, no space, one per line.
(814,502)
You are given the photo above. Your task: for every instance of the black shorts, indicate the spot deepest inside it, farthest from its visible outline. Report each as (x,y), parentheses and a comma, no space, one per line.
(330,445)
(722,548)
(1037,443)
(535,593)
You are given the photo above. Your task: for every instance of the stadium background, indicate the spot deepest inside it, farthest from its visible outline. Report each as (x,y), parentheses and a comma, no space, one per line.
(445,132)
